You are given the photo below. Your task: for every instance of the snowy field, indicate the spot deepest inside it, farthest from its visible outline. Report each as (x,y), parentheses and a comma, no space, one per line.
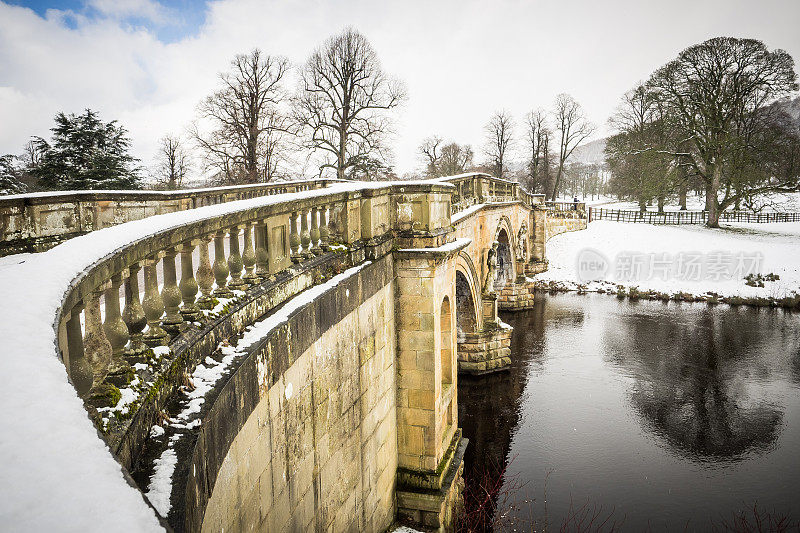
(671,259)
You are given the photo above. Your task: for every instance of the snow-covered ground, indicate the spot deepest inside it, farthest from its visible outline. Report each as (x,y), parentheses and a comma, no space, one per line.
(671,259)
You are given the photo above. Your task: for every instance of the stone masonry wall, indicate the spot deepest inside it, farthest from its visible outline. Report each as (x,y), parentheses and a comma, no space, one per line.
(319,448)
(556,226)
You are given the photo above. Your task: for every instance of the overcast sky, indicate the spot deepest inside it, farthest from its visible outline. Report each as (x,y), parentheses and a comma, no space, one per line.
(148,63)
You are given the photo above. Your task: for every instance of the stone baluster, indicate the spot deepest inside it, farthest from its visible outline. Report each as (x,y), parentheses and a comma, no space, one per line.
(324,232)
(294,238)
(205,276)
(337,223)
(305,235)
(98,352)
(133,314)
(80,371)
(221,267)
(314,233)
(235,263)
(120,372)
(171,295)
(188,286)
(153,306)
(262,257)
(249,256)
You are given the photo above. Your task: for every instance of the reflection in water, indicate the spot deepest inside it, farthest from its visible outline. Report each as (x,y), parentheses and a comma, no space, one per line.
(694,389)
(665,413)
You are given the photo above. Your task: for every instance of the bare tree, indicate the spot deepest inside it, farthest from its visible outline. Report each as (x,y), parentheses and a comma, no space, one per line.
(499,139)
(538,137)
(31,154)
(247,141)
(445,160)
(636,155)
(429,150)
(573,128)
(343,102)
(718,95)
(172,162)
(455,159)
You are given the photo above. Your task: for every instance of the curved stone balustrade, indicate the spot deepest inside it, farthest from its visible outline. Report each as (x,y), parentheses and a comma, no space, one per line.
(280,240)
(477,187)
(37,221)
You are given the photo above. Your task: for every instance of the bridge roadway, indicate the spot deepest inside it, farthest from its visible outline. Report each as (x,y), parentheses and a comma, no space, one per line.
(352,308)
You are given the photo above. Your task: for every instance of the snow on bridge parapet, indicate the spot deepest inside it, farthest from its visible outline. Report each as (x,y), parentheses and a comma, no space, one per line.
(53,302)
(37,221)
(52,298)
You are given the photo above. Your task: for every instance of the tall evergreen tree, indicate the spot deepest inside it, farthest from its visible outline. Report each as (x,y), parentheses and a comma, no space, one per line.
(86,153)
(9,176)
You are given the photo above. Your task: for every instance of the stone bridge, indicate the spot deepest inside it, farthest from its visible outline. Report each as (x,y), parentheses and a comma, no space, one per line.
(300,373)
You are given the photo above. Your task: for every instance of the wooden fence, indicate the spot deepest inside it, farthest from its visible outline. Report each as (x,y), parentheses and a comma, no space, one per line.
(686,217)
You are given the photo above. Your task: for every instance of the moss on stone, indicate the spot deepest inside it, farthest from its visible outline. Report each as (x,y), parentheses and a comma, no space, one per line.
(209,304)
(104,395)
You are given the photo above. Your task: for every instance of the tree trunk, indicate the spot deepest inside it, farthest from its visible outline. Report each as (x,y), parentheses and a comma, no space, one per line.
(682,191)
(661,204)
(341,154)
(712,204)
(642,205)
(555,185)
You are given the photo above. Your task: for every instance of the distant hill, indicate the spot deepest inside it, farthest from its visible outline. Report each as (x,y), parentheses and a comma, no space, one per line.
(791,106)
(590,153)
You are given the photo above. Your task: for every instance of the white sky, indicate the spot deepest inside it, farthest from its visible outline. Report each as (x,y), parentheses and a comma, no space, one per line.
(461,60)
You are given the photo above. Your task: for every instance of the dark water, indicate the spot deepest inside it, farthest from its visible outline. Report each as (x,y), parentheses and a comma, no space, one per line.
(656,416)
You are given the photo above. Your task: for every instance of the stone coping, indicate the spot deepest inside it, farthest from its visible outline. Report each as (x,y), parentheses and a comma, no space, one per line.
(443,251)
(44,197)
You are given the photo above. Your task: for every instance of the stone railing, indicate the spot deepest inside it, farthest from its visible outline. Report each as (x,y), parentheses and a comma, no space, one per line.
(248,246)
(530,199)
(477,188)
(220,253)
(38,221)
(566,209)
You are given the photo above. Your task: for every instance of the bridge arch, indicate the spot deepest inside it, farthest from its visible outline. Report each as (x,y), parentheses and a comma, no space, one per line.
(506,253)
(469,318)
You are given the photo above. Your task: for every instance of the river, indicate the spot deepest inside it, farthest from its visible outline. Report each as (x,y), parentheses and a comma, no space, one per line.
(643,415)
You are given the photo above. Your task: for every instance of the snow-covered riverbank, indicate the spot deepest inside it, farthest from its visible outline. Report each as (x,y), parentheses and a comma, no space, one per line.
(678,259)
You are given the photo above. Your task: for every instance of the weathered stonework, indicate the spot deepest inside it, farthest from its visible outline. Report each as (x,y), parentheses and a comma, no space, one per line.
(345,417)
(516,296)
(485,351)
(316,448)
(558,225)
(38,221)
(427,413)
(436,508)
